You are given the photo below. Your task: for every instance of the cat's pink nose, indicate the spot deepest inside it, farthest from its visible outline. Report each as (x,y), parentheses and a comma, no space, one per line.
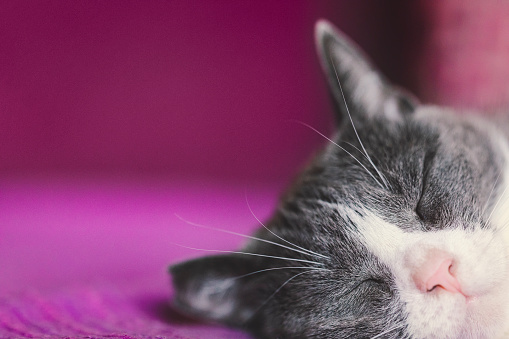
(437,273)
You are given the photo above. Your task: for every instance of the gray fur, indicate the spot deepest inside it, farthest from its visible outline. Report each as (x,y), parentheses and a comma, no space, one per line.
(440,168)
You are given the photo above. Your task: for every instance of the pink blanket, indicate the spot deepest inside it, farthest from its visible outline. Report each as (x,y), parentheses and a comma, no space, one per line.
(89,258)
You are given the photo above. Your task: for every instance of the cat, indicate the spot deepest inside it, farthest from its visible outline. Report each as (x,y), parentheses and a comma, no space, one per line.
(397,229)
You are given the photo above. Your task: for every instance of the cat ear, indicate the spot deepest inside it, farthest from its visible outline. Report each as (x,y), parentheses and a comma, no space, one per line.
(365,90)
(215,288)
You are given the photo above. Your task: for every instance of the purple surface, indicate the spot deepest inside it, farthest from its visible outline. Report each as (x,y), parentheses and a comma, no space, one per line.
(89,257)
(94,312)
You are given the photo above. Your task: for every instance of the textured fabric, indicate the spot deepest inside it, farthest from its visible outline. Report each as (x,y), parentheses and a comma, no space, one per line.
(89,258)
(92,312)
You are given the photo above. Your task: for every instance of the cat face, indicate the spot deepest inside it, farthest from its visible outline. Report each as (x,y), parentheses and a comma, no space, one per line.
(396,229)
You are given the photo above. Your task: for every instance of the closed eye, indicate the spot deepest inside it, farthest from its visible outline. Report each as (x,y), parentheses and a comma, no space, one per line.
(418,212)
(369,284)
(419,206)
(376,283)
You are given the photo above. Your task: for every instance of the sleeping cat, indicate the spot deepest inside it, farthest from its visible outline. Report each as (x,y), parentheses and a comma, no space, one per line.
(397,229)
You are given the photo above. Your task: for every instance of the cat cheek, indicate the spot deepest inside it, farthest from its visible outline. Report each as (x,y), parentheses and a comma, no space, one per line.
(429,315)
(454,281)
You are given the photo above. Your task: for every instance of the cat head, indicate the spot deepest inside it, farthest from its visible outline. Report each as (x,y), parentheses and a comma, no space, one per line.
(396,229)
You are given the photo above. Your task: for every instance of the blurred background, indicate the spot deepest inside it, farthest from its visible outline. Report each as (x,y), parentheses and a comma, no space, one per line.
(115,115)
(188,89)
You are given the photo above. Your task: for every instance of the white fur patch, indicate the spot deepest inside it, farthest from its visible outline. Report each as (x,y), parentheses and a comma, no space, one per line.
(500,214)
(481,270)
(201,299)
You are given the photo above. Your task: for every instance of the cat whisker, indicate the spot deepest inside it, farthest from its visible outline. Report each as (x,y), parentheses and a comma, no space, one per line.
(491,193)
(322,135)
(309,252)
(499,229)
(355,129)
(357,148)
(495,207)
(343,149)
(253,254)
(279,289)
(494,234)
(279,268)
(248,237)
(502,228)
(388,331)
(502,259)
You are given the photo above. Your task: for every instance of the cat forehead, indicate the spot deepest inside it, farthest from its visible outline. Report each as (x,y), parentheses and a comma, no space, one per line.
(453,160)
(428,129)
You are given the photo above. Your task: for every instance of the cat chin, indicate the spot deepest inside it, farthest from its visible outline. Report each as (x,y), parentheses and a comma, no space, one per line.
(446,315)
(500,213)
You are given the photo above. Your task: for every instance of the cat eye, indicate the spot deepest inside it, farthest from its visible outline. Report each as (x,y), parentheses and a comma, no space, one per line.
(376,283)
(419,208)
(426,217)
(422,208)
(368,285)
(418,213)
(430,212)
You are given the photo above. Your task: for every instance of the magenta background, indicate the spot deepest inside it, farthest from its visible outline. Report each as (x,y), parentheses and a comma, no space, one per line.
(117,115)
(172,88)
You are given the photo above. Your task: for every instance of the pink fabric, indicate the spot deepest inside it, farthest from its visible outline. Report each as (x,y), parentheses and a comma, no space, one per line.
(99,312)
(90,258)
